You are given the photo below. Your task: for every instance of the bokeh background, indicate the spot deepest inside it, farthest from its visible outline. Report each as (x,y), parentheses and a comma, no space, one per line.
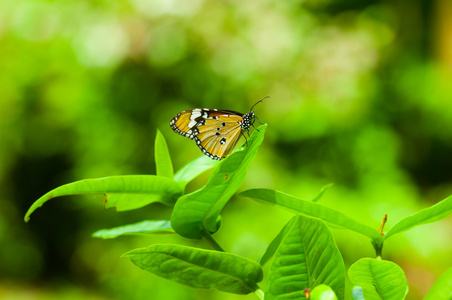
(361,96)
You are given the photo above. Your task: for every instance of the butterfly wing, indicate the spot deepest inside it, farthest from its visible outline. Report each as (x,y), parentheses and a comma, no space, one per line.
(216,132)
(183,124)
(218,137)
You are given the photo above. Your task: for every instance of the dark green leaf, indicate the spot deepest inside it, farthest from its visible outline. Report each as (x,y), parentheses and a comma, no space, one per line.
(200,210)
(428,215)
(194,168)
(123,192)
(274,245)
(312,209)
(379,279)
(307,257)
(143,227)
(199,268)
(442,288)
(163,164)
(271,249)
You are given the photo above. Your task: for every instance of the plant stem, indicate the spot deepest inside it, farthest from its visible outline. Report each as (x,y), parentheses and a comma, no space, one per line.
(378,243)
(378,246)
(212,241)
(259,293)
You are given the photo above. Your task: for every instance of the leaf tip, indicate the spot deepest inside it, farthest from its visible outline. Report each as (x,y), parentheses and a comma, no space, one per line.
(128,254)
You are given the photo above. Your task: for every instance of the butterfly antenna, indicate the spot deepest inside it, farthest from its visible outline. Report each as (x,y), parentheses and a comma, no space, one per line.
(258,102)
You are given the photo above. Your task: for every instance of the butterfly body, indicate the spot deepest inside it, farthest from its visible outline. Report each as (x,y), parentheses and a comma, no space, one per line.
(215,131)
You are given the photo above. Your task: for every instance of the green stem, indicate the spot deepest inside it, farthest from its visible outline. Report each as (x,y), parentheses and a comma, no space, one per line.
(259,293)
(378,243)
(212,241)
(378,246)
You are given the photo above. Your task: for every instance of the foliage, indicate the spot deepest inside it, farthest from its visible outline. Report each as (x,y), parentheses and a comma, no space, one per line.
(199,268)
(378,279)
(305,256)
(360,96)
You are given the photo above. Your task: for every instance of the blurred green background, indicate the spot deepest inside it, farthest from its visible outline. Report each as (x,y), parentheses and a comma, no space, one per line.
(361,95)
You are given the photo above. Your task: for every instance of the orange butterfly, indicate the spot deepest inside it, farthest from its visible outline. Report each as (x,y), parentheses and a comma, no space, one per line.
(215,131)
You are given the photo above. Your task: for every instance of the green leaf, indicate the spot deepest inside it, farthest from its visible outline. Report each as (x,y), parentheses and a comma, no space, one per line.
(194,168)
(276,242)
(428,215)
(200,210)
(123,192)
(271,249)
(323,292)
(442,288)
(306,258)
(323,190)
(379,279)
(163,164)
(199,268)
(143,227)
(312,209)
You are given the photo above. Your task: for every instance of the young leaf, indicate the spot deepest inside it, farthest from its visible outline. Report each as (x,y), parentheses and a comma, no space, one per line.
(312,209)
(323,292)
(123,192)
(271,249)
(428,215)
(274,245)
(194,168)
(200,210)
(143,227)
(307,257)
(323,190)
(442,288)
(379,279)
(163,164)
(199,268)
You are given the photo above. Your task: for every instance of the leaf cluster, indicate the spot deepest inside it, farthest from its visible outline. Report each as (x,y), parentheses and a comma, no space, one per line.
(305,259)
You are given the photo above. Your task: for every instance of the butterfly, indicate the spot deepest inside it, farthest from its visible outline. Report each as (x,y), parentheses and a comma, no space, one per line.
(215,131)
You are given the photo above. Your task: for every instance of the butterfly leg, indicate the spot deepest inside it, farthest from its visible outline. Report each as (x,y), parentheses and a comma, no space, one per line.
(246,140)
(254,128)
(252,123)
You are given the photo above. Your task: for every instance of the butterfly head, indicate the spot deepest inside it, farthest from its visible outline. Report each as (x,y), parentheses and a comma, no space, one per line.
(250,118)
